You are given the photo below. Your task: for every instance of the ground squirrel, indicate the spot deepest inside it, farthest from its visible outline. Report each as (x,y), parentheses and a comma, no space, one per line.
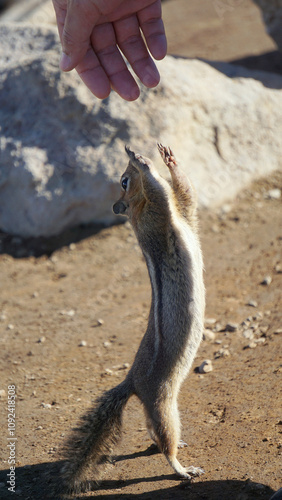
(163,216)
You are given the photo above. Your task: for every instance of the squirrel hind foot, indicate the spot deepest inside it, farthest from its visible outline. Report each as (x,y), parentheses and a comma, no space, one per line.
(185,472)
(194,471)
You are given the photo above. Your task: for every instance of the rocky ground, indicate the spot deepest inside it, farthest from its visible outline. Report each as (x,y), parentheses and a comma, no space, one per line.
(71,322)
(73,310)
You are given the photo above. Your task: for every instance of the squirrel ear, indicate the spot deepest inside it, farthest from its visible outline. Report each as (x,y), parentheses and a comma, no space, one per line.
(130,153)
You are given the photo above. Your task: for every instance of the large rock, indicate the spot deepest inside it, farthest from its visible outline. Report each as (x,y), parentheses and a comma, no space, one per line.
(272,16)
(34,12)
(62,150)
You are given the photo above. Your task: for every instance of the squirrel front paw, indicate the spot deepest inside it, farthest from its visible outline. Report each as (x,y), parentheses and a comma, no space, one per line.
(167,156)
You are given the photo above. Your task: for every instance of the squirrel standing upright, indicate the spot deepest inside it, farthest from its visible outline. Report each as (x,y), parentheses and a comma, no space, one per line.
(163,216)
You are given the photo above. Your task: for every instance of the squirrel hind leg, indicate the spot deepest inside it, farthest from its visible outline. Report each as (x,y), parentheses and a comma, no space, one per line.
(150,428)
(151,431)
(164,429)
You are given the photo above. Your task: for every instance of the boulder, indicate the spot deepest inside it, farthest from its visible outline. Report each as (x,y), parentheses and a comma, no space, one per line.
(32,11)
(272,16)
(62,150)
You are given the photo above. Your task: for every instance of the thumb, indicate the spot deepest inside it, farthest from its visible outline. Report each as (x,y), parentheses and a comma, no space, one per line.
(81,17)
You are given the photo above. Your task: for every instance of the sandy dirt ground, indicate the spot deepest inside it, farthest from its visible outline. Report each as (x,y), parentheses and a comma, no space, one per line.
(73,310)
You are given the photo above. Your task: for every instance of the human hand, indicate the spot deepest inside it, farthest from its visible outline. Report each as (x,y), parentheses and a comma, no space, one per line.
(94,33)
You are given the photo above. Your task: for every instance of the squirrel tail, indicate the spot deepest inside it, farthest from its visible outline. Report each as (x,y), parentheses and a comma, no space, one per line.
(90,445)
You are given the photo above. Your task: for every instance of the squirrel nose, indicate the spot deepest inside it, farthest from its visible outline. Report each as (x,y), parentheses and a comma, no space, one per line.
(119,207)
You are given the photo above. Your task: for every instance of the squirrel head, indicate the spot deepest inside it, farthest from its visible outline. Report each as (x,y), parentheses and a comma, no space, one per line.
(132,197)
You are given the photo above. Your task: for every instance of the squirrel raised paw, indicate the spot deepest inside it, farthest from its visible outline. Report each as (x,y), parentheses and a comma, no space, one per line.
(163,216)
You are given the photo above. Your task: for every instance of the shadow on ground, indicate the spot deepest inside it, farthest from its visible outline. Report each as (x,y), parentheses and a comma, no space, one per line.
(36,482)
(19,247)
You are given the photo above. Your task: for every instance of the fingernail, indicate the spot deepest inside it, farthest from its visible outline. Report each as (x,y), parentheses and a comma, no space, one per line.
(65,62)
(134,94)
(152,77)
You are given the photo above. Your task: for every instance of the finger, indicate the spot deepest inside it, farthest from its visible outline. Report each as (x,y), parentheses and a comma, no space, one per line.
(104,44)
(150,19)
(93,75)
(133,47)
(60,8)
(75,27)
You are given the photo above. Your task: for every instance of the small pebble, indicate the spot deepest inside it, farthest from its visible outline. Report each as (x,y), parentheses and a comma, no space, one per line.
(10,327)
(278,268)
(248,334)
(264,329)
(277,331)
(34,295)
(72,246)
(266,280)
(205,366)
(39,428)
(258,316)
(41,340)
(222,353)
(261,340)
(106,343)
(245,324)
(210,321)
(208,335)
(108,371)
(47,406)
(3,317)
(226,208)
(100,321)
(274,194)
(252,345)
(219,327)
(82,343)
(2,394)
(231,327)
(252,303)
(70,312)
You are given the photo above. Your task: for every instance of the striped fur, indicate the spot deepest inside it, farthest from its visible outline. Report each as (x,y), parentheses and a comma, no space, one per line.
(164,219)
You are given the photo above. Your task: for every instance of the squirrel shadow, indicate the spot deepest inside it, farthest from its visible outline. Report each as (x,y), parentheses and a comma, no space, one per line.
(36,482)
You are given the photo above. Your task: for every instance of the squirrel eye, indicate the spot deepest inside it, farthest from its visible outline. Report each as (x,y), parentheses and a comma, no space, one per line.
(124,183)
